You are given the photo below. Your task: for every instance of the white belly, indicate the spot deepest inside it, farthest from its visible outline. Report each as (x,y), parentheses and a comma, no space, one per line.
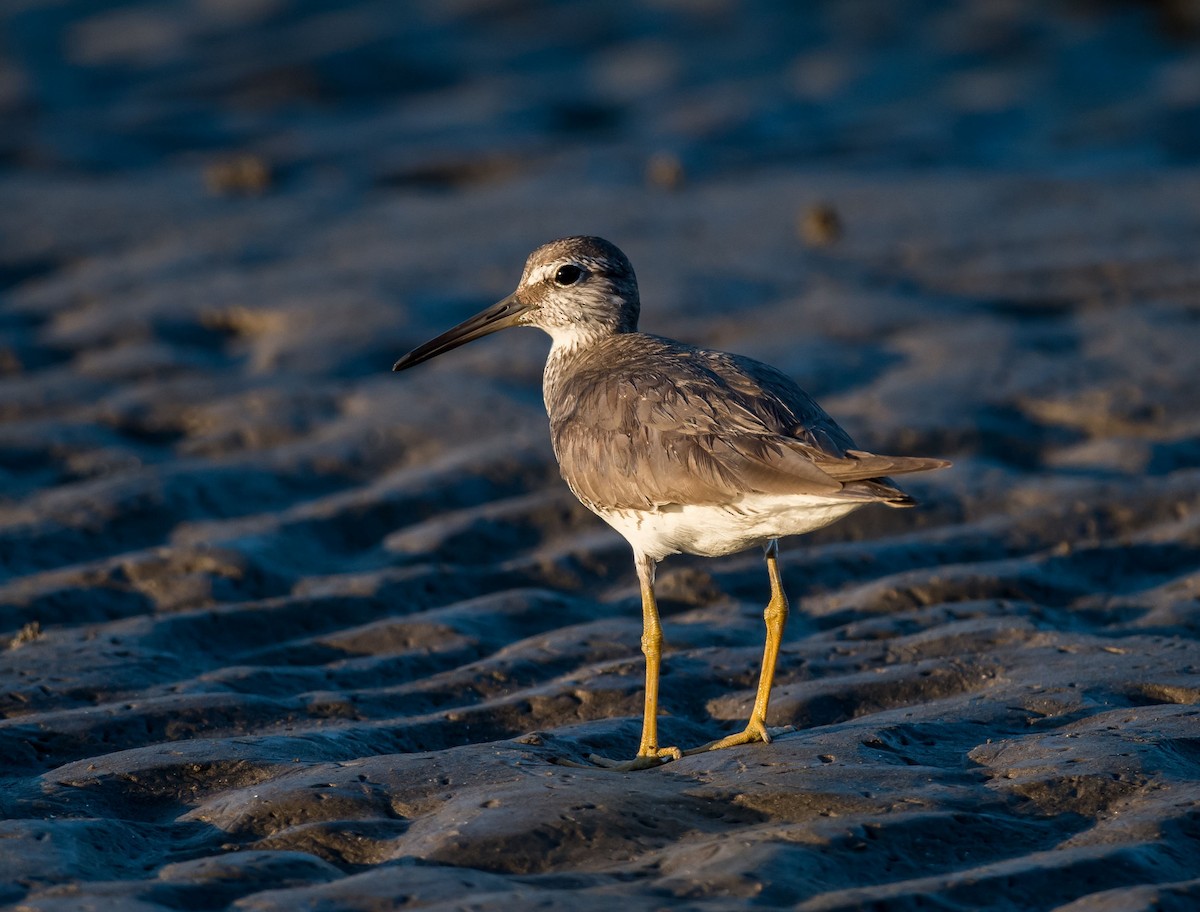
(712,530)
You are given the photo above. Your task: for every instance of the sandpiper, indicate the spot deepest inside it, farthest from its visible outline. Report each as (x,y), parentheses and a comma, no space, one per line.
(680,449)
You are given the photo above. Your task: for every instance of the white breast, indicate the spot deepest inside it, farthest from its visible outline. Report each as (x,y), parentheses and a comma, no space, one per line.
(714,530)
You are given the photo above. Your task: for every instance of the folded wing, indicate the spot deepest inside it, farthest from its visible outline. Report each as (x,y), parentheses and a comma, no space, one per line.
(644,422)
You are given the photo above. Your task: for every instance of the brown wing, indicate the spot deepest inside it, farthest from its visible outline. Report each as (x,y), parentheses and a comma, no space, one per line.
(640,421)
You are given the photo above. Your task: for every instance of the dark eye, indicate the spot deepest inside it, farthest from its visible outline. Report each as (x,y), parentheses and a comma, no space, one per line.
(567,275)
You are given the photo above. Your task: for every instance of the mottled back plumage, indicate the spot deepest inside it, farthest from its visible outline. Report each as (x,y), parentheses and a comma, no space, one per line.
(639,422)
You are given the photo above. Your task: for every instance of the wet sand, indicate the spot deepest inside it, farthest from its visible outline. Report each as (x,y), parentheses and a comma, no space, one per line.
(286,631)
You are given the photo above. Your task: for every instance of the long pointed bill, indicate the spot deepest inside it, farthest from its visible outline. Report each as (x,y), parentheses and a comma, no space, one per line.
(500,315)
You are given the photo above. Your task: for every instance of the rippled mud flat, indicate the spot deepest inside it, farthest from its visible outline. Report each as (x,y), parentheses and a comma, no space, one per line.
(285,631)
(312,635)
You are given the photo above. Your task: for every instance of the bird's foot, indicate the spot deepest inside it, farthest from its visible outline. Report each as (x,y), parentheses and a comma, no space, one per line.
(754,731)
(646,759)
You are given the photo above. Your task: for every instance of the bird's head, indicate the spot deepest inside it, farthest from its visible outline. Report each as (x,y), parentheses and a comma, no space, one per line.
(577,289)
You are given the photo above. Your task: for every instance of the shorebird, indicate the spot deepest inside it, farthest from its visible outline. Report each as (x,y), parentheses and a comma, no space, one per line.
(680,449)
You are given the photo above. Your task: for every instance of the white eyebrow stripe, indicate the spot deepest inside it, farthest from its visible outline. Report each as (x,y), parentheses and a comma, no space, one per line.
(547,270)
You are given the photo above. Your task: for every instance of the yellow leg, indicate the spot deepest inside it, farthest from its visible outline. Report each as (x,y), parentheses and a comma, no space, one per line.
(776,617)
(649,753)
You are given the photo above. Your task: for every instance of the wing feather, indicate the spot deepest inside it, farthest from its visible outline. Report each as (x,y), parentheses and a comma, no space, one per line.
(638,422)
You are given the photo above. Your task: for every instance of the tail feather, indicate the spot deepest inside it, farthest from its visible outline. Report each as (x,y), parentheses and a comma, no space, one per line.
(881,488)
(896,465)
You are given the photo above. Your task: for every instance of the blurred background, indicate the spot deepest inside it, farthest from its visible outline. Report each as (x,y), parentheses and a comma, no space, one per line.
(462,93)
(353,152)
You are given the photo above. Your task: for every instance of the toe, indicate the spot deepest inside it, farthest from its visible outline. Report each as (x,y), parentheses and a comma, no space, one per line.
(754,731)
(658,757)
